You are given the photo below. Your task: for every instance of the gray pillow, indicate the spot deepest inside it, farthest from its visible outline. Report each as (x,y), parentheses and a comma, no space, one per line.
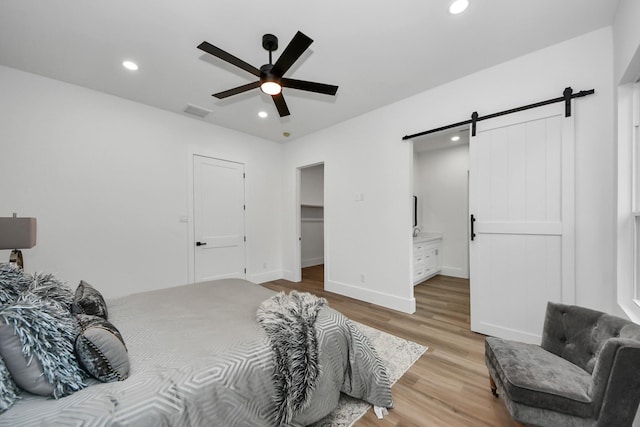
(8,389)
(88,300)
(100,349)
(36,343)
(29,373)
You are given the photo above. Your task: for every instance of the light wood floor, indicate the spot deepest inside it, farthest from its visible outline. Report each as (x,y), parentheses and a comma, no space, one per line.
(449,385)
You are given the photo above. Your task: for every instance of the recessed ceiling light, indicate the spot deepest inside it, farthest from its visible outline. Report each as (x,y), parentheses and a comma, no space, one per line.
(130,65)
(458,6)
(286,134)
(455,138)
(263,114)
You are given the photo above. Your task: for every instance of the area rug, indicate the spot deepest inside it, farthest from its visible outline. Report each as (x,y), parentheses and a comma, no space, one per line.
(397,354)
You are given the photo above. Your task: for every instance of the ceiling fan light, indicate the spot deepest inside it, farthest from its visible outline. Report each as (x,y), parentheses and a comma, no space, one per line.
(271,88)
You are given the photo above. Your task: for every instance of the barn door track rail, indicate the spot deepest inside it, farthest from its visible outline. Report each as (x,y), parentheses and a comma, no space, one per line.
(567,96)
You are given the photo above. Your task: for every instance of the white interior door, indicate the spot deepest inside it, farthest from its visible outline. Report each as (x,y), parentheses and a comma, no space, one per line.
(218,206)
(521,196)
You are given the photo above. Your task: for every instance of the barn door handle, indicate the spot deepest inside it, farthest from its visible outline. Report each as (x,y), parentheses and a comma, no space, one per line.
(473,234)
(201,243)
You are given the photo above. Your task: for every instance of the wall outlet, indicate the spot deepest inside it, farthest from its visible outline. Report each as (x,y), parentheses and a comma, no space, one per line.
(363,278)
(264,265)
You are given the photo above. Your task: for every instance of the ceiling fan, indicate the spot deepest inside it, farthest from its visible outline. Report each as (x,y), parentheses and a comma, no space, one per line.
(271,75)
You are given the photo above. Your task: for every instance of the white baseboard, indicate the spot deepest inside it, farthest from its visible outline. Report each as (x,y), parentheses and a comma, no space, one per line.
(454,272)
(266,276)
(289,275)
(505,333)
(310,262)
(405,305)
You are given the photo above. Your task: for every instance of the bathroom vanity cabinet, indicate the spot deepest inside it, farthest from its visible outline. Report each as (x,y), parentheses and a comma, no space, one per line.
(426,256)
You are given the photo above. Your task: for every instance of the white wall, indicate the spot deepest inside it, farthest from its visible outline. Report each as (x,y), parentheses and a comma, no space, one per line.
(312,185)
(366,156)
(367,210)
(441,178)
(312,234)
(107,180)
(626,33)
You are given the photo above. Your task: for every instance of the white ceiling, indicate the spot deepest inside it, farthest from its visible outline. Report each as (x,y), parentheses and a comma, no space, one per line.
(378,52)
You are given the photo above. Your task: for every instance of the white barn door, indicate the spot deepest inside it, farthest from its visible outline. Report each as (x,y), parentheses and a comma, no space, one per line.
(521,195)
(218,207)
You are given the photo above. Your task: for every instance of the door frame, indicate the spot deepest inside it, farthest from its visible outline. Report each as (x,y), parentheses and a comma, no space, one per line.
(416,152)
(297,255)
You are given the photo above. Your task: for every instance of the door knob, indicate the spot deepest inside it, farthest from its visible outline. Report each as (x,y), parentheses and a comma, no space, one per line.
(201,243)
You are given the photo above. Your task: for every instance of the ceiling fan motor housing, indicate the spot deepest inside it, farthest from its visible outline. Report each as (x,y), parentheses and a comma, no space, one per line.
(267,76)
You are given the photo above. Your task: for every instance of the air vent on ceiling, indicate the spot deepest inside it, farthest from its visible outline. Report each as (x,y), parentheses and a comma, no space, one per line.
(196,111)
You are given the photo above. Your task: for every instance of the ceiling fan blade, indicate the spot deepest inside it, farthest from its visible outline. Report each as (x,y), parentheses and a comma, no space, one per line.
(291,53)
(309,86)
(283,110)
(226,56)
(237,90)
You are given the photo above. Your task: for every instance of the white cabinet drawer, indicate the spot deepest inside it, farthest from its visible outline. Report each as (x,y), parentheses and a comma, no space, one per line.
(419,247)
(421,259)
(426,260)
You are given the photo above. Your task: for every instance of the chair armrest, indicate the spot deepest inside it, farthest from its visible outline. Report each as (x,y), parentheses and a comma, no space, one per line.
(616,382)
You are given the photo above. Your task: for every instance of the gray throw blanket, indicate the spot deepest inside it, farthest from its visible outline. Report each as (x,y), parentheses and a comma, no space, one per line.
(289,321)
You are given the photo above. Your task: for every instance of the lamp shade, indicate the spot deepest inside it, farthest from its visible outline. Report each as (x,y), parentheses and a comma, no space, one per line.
(17,233)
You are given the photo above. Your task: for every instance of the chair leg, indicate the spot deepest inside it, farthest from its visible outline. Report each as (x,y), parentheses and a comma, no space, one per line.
(494,391)
(494,388)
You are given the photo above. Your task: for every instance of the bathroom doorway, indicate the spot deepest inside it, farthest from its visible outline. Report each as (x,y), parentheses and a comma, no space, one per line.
(441,184)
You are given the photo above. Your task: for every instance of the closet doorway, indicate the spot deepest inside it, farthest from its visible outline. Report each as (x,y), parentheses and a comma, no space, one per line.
(311,217)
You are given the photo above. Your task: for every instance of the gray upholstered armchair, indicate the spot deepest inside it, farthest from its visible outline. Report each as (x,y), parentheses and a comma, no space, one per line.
(586,372)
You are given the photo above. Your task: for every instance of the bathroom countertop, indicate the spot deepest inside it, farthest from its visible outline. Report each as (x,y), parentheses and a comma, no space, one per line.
(427,237)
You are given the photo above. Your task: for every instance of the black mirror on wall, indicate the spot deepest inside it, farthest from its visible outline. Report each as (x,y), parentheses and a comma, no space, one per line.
(415,211)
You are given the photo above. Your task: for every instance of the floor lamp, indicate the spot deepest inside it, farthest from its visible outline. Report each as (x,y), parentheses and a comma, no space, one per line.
(15,234)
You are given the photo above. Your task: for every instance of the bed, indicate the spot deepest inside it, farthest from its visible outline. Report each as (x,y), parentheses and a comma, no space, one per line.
(198,357)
